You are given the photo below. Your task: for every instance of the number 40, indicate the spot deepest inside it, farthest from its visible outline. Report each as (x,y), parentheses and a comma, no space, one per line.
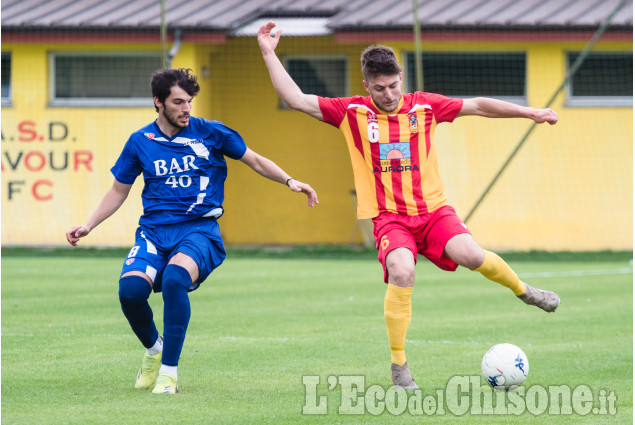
(183,181)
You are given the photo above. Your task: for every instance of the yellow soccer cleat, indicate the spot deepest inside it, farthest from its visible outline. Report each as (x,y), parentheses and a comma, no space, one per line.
(166,384)
(148,372)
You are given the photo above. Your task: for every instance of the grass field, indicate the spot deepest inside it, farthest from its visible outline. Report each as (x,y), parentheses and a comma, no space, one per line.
(259,325)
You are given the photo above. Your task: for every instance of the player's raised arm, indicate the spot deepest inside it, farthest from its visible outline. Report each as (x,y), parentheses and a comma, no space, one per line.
(286,88)
(495,108)
(113,199)
(267,168)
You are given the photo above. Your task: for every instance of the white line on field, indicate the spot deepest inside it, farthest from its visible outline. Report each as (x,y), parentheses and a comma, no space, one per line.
(472,342)
(250,339)
(573,273)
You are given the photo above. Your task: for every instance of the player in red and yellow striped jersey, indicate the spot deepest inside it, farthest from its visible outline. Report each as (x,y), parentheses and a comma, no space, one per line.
(390,137)
(393,153)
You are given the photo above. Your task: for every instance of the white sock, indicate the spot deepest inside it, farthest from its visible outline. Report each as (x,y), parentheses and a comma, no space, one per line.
(168,369)
(156,348)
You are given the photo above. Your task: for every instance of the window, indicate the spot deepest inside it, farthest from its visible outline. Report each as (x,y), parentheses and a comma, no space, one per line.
(500,75)
(603,79)
(102,79)
(6,78)
(322,76)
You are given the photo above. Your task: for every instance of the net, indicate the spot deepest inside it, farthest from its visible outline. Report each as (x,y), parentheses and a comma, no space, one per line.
(75,85)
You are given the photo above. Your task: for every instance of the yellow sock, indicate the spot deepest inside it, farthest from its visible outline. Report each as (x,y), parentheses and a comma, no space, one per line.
(397,312)
(496,269)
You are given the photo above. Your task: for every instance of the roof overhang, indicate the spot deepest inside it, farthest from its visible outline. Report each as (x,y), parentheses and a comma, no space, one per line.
(291,27)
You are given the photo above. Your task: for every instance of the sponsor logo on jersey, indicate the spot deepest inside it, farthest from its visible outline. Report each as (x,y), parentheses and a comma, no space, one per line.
(129,261)
(161,165)
(395,158)
(395,168)
(149,135)
(394,151)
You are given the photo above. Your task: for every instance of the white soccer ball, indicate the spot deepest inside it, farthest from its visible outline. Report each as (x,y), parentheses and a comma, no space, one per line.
(505,367)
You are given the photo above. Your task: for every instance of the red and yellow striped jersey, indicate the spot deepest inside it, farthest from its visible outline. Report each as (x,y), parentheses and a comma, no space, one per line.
(393,155)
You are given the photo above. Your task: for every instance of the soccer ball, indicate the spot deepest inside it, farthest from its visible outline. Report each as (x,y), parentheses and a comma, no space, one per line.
(505,367)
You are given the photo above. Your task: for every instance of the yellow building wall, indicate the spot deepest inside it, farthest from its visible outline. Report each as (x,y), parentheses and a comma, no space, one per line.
(570,187)
(258,210)
(40,203)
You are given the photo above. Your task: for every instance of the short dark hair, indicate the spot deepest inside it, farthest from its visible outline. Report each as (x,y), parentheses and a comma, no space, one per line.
(379,60)
(164,79)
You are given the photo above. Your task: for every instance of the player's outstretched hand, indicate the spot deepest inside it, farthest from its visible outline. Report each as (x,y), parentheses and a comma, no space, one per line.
(298,186)
(546,115)
(266,42)
(76,232)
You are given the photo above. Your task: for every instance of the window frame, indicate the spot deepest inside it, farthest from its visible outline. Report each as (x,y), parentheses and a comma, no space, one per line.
(594,101)
(519,100)
(8,101)
(307,56)
(96,101)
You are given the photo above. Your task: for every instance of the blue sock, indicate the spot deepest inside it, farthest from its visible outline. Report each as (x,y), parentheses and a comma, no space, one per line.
(176,312)
(134,292)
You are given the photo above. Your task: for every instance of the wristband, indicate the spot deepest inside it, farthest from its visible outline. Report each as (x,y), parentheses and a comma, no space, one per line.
(288,180)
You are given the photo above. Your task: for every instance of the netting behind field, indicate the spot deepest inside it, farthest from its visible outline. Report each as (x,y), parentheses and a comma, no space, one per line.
(73,90)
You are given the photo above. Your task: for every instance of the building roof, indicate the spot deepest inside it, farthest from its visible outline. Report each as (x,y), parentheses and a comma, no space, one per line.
(487,13)
(237,16)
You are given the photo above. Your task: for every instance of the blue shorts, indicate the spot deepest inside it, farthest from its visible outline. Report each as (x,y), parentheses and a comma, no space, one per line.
(155,245)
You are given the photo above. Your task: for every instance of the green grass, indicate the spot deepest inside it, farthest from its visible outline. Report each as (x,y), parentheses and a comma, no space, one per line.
(260,324)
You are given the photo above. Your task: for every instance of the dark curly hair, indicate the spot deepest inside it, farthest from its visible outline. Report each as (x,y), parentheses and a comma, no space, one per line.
(379,60)
(164,79)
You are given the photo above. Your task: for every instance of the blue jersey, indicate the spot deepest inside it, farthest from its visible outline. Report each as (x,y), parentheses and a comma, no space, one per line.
(185,174)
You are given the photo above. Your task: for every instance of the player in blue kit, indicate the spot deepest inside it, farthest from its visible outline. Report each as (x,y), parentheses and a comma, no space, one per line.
(178,242)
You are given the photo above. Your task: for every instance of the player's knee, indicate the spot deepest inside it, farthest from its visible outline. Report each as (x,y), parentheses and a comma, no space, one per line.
(175,277)
(402,275)
(472,258)
(400,265)
(133,289)
(465,251)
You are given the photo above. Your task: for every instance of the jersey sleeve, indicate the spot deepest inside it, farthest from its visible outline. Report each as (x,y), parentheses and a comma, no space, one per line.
(445,109)
(128,166)
(234,145)
(333,109)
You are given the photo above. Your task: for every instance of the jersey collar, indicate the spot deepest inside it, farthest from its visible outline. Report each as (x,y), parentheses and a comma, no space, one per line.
(382,112)
(177,134)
